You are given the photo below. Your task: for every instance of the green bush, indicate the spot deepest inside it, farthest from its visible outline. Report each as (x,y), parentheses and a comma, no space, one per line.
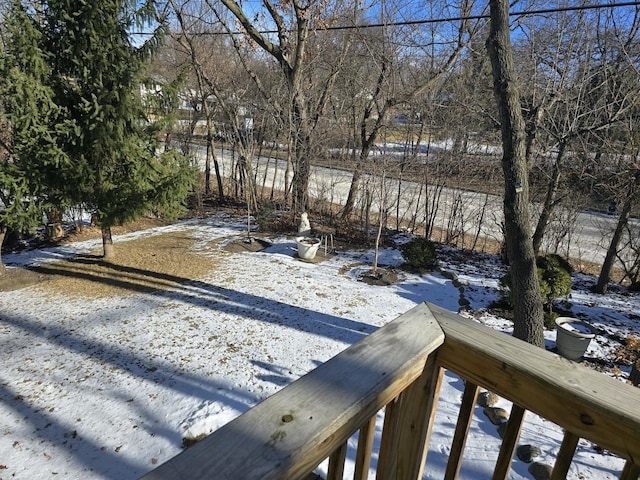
(419,253)
(554,275)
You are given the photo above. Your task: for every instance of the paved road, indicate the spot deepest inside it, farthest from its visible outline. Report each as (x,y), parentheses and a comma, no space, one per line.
(587,241)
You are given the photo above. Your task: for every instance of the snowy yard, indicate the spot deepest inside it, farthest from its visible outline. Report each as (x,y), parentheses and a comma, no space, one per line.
(109,386)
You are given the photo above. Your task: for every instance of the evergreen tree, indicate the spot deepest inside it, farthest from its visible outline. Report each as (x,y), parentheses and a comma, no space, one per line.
(99,73)
(32,123)
(110,151)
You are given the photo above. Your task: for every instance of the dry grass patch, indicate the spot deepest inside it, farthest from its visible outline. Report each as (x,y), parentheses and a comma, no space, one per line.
(17,278)
(160,262)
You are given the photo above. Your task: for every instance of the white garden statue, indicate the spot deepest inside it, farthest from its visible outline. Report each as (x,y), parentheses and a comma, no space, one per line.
(305,226)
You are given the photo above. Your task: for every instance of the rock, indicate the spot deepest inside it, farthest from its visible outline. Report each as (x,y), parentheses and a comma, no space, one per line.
(389,277)
(540,471)
(487,399)
(527,453)
(496,415)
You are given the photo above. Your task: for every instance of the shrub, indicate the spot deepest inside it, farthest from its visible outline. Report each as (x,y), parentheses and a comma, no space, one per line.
(419,253)
(554,276)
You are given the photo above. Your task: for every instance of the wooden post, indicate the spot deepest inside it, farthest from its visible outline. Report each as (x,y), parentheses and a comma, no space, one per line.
(509,442)
(631,471)
(388,435)
(416,411)
(365,447)
(465,416)
(634,376)
(336,463)
(565,456)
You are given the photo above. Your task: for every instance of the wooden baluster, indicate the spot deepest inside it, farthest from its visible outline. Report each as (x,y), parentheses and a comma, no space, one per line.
(465,416)
(388,434)
(336,463)
(365,446)
(631,471)
(565,456)
(509,442)
(415,419)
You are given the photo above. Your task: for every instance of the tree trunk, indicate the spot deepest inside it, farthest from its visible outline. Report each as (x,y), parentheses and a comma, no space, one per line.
(3,232)
(549,202)
(207,162)
(528,309)
(612,251)
(367,145)
(107,244)
(302,142)
(353,190)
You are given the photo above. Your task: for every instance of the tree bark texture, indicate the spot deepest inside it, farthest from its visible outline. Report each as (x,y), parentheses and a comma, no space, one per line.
(612,251)
(3,233)
(527,300)
(107,244)
(549,201)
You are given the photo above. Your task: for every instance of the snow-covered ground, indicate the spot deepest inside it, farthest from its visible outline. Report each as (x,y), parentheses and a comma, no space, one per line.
(109,387)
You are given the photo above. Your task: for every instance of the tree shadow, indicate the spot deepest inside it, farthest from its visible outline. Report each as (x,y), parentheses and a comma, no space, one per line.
(217,298)
(108,463)
(64,434)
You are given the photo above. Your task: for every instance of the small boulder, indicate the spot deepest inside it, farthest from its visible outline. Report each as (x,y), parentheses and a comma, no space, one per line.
(527,453)
(540,471)
(487,399)
(496,415)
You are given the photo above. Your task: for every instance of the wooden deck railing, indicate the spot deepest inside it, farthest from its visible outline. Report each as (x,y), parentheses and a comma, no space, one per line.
(399,368)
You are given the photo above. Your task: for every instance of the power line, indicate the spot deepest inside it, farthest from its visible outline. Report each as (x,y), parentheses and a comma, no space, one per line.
(479,17)
(440,20)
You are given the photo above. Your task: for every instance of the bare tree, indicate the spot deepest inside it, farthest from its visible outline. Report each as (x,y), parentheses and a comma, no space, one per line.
(628,186)
(294,22)
(573,76)
(194,47)
(527,300)
(392,89)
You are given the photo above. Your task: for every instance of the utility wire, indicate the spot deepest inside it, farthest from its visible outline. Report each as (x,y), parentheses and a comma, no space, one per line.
(438,20)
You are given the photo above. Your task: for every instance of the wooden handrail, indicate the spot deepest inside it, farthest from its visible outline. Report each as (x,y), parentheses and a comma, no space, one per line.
(585,402)
(290,433)
(400,367)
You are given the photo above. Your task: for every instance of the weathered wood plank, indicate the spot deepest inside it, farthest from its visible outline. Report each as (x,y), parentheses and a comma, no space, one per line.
(509,443)
(365,447)
(565,456)
(465,415)
(291,432)
(391,416)
(630,472)
(580,400)
(336,463)
(415,414)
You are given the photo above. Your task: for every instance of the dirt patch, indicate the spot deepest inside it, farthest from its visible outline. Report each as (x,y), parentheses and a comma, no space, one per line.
(17,278)
(381,278)
(161,262)
(247,245)
(91,231)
